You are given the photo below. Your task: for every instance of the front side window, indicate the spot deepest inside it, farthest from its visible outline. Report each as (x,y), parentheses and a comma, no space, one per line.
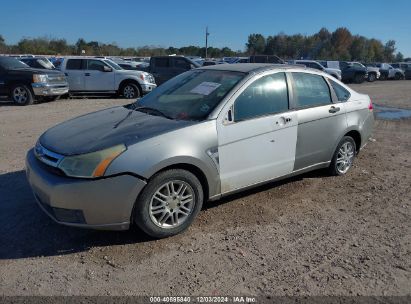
(162,62)
(181,63)
(310,90)
(191,95)
(340,91)
(265,96)
(95,65)
(74,64)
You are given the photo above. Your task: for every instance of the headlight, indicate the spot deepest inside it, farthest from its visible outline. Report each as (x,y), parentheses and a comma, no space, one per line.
(91,164)
(39,78)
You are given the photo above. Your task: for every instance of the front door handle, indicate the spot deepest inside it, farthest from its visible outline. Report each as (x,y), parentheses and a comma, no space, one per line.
(86,74)
(334,109)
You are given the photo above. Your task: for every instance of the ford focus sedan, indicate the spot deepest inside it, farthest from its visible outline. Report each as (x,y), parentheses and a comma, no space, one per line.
(200,136)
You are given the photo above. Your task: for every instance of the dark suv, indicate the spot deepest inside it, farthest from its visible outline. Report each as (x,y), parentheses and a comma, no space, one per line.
(25,84)
(352,72)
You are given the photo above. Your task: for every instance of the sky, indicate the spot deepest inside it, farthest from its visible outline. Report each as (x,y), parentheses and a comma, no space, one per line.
(134,23)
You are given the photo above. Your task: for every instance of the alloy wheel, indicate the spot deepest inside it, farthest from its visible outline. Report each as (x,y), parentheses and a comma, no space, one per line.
(129,92)
(171,204)
(345,157)
(20,95)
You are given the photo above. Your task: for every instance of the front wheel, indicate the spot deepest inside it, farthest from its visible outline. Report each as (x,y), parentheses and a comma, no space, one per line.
(22,95)
(343,156)
(359,78)
(372,77)
(130,91)
(169,203)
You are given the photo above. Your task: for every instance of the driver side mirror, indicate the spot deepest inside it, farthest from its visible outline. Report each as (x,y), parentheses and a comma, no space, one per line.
(107,69)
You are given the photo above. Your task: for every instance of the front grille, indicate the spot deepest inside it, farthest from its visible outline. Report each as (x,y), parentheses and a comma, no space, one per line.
(59,79)
(46,156)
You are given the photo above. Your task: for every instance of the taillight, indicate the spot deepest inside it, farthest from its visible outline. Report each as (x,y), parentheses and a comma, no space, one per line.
(370,107)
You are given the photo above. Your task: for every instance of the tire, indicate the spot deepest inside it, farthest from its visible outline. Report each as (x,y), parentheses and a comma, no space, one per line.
(342,162)
(397,76)
(371,77)
(160,214)
(21,95)
(383,76)
(130,91)
(359,78)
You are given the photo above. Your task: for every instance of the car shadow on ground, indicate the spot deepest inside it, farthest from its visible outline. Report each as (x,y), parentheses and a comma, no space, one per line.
(26,231)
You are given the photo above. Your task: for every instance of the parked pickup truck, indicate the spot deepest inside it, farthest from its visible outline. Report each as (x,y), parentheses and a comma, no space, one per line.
(164,68)
(353,72)
(389,72)
(25,84)
(336,73)
(103,76)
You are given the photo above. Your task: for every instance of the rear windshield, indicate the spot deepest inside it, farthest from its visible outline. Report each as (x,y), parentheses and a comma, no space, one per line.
(12,63)
(191,95)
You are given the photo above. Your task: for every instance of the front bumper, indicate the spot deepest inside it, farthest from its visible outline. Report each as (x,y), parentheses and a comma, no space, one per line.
(105,203)
(148,87)
(44,89)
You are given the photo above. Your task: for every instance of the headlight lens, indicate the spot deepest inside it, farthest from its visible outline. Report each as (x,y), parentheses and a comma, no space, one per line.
(39,78)
(90,165)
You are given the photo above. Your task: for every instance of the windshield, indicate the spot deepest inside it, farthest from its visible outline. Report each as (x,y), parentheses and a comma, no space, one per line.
(191,95)
(113,64)
(12,63)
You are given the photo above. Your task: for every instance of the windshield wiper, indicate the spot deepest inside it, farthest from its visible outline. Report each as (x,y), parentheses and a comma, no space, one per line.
(152,110)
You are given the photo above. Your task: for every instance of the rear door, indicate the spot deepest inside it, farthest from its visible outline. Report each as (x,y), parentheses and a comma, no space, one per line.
(75,74)
(3,90)
(96,78)
(161,69)
(321,119)
(257,143)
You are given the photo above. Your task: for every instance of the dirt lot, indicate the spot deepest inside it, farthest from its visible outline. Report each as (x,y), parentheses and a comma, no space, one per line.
(309,235)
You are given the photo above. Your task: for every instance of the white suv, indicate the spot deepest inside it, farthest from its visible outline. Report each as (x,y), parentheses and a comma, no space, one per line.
(101,75)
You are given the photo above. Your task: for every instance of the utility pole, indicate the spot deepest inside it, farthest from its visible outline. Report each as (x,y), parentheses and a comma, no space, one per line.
(207,33)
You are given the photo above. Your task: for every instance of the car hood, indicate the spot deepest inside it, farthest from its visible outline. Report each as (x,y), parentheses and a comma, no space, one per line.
(134,73)
(106,128)
(37,71)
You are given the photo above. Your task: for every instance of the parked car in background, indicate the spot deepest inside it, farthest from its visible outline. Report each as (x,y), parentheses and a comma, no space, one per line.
(373,72)
(24,84)
(38,62)
(336,73)
(389,72)
(202,135)
(241,60)
(103,76)
(353,72)
(164,68)
(405,67)
(213,62)
(266,59)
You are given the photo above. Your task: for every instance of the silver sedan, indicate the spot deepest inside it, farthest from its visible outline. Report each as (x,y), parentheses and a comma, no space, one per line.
(200,136)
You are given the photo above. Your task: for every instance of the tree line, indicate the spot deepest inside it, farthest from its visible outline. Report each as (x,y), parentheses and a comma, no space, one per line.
(337,45)
(52,46)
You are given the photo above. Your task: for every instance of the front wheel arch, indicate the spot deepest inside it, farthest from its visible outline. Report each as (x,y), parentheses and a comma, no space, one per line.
(127,81)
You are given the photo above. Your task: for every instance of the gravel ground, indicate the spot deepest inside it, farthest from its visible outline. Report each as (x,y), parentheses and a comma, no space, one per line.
(308,235)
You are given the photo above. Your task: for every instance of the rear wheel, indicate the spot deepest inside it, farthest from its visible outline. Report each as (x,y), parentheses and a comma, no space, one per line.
(169,203)
(130,91)
(372,77)
(22,95)
(343,156)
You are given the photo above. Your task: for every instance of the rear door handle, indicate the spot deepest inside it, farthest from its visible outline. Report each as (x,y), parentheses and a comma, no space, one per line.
(86,74)
(334,109)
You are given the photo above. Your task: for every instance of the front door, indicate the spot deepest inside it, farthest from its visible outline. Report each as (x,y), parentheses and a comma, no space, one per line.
(258,142)
(97,79)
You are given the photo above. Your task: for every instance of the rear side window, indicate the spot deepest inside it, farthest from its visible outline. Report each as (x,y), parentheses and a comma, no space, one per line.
(267,95)
(340,91)
(162,62)
(74,64)
(310,90)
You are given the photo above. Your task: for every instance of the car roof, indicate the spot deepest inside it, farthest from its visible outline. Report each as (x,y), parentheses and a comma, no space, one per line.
(249,67)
